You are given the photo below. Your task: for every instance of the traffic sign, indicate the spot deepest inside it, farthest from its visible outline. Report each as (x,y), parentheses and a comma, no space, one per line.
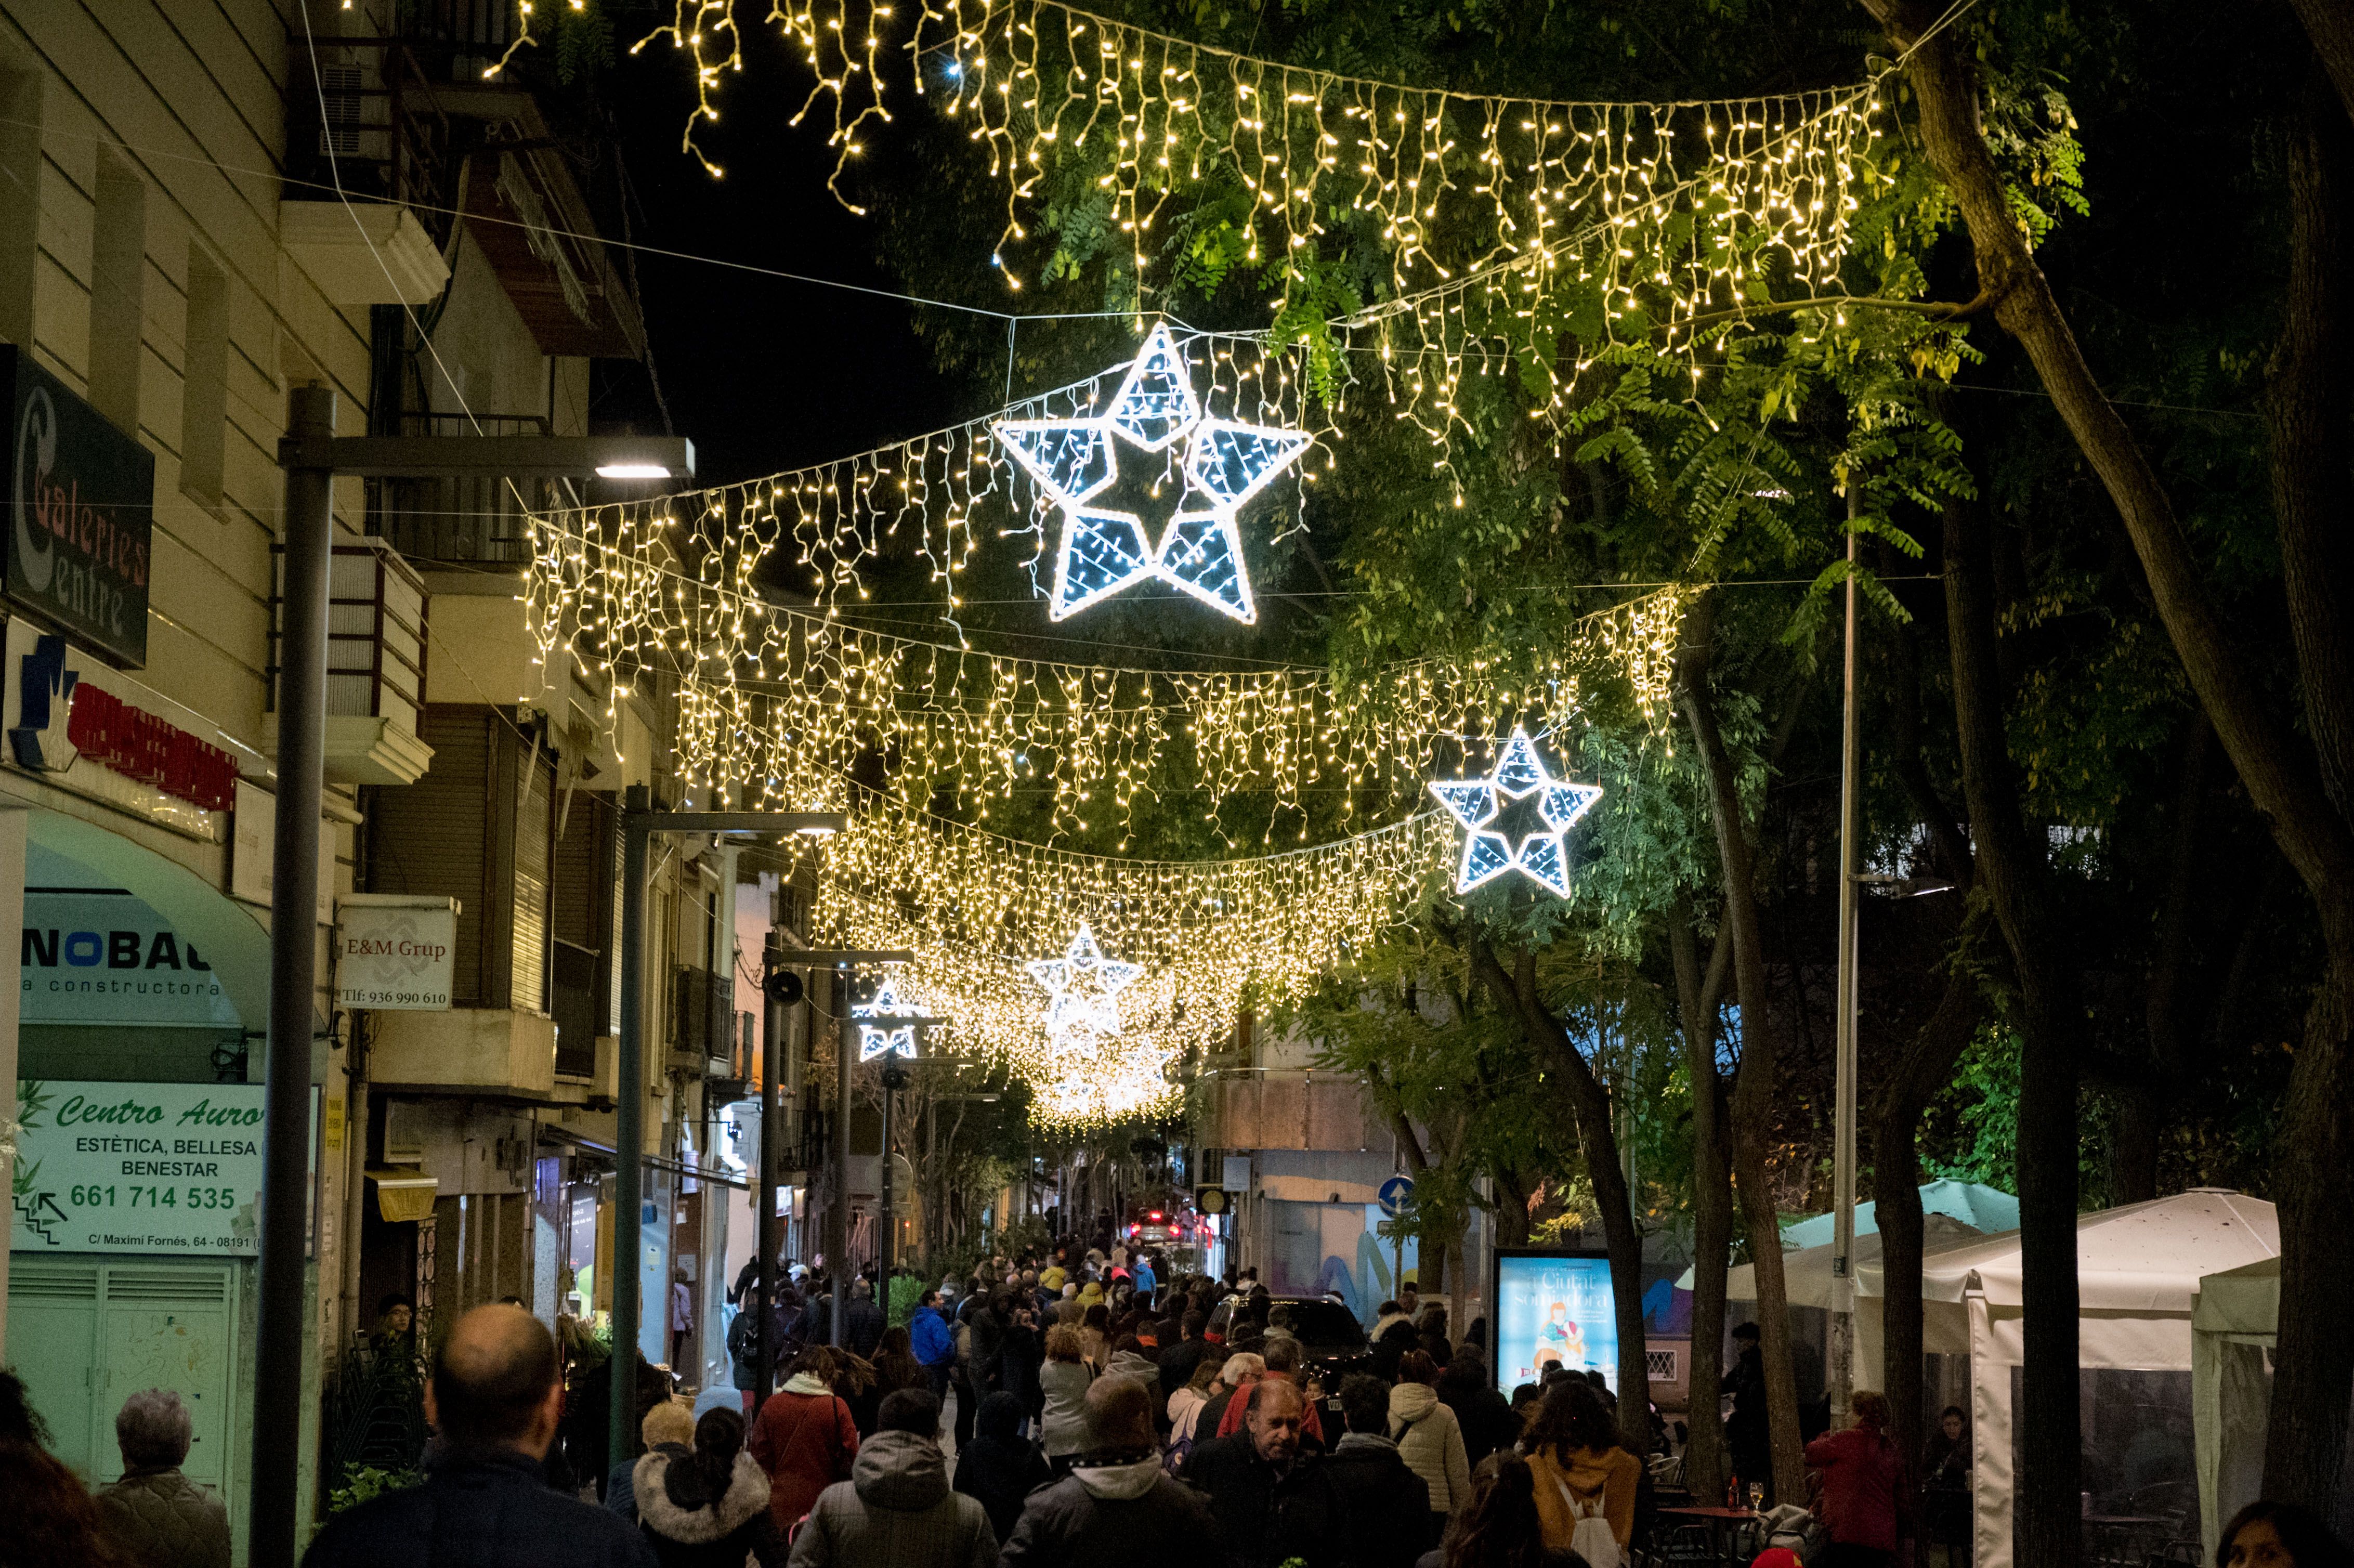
(1210,1201)
(1398,1195)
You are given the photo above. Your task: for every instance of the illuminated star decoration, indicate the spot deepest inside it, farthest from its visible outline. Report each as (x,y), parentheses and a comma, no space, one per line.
(1491,846)
(892,1032)
(1226,464)
(1083,990)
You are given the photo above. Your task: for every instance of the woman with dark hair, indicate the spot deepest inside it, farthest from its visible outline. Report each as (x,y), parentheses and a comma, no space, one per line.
(1586,1483)
(707,1509)
(1094,1333)
(804,1437)
(894,1367)
(1000,1466)
(1498,1527)
(2278,1535)
(1860,1472)
(1481,1411)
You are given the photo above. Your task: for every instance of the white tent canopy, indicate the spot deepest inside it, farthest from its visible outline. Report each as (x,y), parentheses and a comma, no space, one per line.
(2232,1328)
(1980,1207)
(1807,1275)
(2138,1271)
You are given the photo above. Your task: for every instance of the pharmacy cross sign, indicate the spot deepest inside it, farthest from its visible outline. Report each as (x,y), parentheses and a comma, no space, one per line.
(1226,464)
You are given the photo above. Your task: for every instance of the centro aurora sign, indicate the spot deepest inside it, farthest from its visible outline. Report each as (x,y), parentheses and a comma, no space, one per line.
(169,1168)
(81,500)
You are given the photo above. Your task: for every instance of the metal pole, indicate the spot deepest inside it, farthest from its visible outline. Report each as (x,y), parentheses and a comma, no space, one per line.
(886,1234)
(281,1334)
(772,1245)
(1842,1316)
(845,1045)
(629,1130)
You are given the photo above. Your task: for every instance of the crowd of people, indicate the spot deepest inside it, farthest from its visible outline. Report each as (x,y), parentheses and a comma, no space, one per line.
(1098,1411)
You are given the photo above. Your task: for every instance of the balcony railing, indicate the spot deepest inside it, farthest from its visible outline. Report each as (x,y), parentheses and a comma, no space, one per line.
(467,520)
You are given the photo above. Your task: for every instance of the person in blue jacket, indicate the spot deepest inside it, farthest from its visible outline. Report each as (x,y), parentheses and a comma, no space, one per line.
(932,1342)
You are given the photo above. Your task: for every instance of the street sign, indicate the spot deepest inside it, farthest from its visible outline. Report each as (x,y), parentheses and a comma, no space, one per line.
(1210,1201)
(1398,1195)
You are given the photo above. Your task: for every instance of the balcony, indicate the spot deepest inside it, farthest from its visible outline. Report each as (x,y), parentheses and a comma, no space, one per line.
(484,1053)
(377,608)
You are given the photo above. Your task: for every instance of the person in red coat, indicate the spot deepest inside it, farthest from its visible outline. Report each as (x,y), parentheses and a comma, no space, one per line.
(1859,1471)
(804,1437)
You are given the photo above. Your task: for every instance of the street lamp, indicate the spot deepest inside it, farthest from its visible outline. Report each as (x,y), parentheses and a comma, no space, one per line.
(638,825)
(313,455)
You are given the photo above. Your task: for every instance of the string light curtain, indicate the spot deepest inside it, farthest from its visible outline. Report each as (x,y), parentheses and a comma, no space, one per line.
(765,689)
(1212,936)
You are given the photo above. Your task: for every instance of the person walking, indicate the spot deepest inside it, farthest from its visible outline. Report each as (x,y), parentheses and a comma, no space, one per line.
(1185,1405)
(707,1507)
(667,1428)
(1586,1483)
(1239,1372)
(494,1397)
(1429,1438)
(1281,1360)
(896,1511)
(1116,1499)
(804,1437)
(156,1515)
(998,1465)
(1497,1526)
(932,1344)
(1020,1350)
(862,1331)
(1267,1493)
(1062,1384)
(1179,1358)
(1945,1487)
(1859,1469)
(1383,1505)
(51,1519)
(1481,1408)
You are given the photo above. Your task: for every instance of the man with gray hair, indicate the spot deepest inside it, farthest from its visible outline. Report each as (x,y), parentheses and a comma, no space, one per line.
(159,1516)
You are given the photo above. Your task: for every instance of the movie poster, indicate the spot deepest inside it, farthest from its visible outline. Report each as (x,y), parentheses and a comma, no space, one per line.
(1554,1311)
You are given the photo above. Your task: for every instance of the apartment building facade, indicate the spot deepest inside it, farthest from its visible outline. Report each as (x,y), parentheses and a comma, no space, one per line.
(200,210)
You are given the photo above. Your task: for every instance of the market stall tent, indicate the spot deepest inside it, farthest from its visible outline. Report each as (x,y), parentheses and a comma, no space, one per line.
(2138,1271)
(2232,1328)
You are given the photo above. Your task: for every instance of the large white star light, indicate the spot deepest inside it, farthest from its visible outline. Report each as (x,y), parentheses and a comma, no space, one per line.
(886,1025)
(1083,989)
(1226,464)
(1491,846)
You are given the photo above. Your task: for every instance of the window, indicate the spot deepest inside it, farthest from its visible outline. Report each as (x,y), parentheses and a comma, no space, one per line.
(20,189)
(117,291)
(204,382)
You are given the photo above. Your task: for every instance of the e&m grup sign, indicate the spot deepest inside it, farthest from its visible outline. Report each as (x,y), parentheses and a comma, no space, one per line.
(395,952)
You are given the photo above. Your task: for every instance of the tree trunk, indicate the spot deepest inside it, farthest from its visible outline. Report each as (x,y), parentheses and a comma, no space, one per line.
(2307,409)
(1753,1080)
(1705,1461)
(2011,867)
(1597,1136)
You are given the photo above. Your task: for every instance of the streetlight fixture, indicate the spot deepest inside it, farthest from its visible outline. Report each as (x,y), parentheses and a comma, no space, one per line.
(312,456)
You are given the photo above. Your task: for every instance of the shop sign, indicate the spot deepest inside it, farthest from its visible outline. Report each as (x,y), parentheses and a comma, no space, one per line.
(395,952)
(153,1167)
(80,513)
(99,732)
(106,958)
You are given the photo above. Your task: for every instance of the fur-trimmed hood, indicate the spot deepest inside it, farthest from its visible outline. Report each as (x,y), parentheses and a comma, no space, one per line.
(683,1513)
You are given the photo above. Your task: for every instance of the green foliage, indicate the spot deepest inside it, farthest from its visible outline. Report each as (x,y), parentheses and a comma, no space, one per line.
(366,1483)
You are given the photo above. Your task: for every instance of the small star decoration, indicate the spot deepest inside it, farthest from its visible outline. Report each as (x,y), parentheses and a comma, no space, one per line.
(1226,464)
(1515,818)
(886,1037)
(1083,989)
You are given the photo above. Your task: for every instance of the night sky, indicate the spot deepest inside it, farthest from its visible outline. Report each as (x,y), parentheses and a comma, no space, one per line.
(762,373)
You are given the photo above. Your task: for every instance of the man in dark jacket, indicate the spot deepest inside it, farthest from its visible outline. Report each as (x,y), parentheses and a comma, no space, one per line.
(1116,1499)
(1271,1500)
(495,1399)
(1745,1434)
(1178,1361)
(1383,1507)
(862,1330)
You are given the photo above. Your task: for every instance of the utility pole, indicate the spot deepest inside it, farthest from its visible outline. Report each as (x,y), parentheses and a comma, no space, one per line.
(311,456)
(779,988)
(1843,1314)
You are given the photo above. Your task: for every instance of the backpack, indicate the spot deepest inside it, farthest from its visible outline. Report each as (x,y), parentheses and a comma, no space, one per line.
(1591,1538)
(964,1344)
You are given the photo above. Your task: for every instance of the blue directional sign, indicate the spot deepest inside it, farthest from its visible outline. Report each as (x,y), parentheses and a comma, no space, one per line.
(1398,1195)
